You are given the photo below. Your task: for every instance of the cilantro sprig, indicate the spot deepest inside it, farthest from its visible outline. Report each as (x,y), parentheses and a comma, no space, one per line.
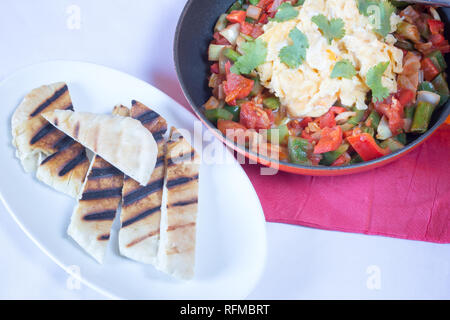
(294,55)
(379,12)
(373,80)
(285,12)
(255,53)
(331,29)
(343,69)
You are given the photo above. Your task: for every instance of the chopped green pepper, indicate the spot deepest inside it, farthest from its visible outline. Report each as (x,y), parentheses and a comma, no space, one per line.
(231,54)
(257,87)
(374,119)
(369,130)
(298,150)
(236,6)
(235,111)
(422,117)
(405,45)
(392,144)
(215,114)
(426,86)
(272,103)
(409,112)
(356,159)
(438,60)
(330,157)
(401,138)
(355,120)
(282,132)
(441,87)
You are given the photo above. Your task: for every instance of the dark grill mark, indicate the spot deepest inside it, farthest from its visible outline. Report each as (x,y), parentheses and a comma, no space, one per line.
(69,107)
(184,157)
(142,192)
(140,216)
(81,157)
(158,135)
(49,158)
(45,130)
(49,101)
(102,194)
(159,161)
(103,237)
(179,181)
(148,116)
(133,102)
(183,203)
(97,173)
(100,216)
(63,143)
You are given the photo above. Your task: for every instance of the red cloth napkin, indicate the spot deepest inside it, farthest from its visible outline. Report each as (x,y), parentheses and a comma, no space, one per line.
(409,198)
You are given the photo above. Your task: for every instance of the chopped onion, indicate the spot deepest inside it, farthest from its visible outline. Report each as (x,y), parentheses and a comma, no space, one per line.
(239,42)
(214,51)
(212,103)
(221,23)
(222,62)
(221,92)
(253,12)
(407,123)
(435,14)
(214,80)
(429,97)
(231,33)
(421,76)
(384,132)
(344,116)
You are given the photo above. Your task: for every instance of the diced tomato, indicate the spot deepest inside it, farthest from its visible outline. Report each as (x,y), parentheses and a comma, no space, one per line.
(237,16)
(264,3)
(219,39)
(236,86)
(395,116)
(270,115)
(256,31)
(429,69)
(307,136)
(263,19)
(327,120)
(254,117)
(366,146)
(437,39)
(405,97)
(247,28)
(294,127)
(330,140)
(436,26)
(338,110)
(215,68)
(445,48)
(342,160)
(315,159)
(305,121)
(224,125)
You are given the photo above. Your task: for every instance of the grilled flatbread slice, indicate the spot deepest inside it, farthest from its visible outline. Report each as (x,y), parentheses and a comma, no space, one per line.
(176,254)
(59,161)
(141,206)
(122,141)
(94,214)
(33,137)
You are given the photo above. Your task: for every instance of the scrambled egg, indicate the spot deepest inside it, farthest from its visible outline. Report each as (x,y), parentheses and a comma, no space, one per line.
(308,90)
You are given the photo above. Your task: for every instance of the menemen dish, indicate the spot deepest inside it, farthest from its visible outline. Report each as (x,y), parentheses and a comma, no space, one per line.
(327,82)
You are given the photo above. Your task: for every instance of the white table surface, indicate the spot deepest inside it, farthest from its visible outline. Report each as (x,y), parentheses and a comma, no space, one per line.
(135,36)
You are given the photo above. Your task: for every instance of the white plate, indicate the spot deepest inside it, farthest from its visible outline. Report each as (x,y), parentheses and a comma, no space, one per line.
(231,239)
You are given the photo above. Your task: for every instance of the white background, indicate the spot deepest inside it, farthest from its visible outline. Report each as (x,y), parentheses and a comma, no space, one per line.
(135,36)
